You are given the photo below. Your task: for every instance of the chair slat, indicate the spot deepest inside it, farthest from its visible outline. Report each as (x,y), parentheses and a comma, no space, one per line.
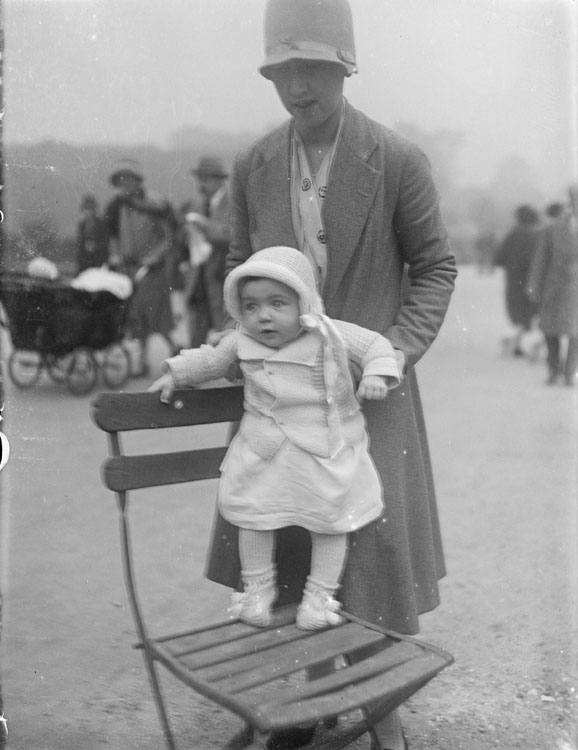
(236,642)
(212,635)
(402,681)
(288,661)
(303,650)
(221,659)
(392,656)
(119,412)
(122,473)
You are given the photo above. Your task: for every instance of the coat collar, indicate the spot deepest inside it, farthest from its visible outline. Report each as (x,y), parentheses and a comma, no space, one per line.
(303,350)
(353,182)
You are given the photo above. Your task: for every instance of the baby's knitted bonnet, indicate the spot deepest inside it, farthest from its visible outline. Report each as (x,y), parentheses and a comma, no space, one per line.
(283,264)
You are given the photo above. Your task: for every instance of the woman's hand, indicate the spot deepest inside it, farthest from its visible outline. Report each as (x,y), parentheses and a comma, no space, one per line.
(372,388)
(166,385)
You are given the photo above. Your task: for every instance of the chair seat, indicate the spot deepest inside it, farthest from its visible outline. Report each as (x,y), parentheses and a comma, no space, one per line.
(232,663)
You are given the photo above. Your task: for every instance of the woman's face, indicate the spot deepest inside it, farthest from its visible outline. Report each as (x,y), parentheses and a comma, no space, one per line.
(311,91)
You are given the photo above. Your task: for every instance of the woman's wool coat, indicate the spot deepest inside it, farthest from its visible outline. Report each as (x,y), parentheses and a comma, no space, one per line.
(390,269)
(515,257)
(553,279)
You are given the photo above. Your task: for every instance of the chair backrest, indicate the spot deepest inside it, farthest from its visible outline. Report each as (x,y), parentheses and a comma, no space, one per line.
(124,412)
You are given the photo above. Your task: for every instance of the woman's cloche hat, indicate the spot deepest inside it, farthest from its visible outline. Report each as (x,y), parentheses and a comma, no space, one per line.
(210,166)
(308,30)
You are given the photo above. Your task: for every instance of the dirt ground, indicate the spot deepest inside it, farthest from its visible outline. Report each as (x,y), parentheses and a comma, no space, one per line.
(504,450)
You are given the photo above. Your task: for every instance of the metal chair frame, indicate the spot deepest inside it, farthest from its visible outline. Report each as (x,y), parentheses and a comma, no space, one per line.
(252,671)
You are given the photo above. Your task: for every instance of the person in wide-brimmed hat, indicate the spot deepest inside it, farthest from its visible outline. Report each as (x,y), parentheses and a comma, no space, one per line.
(126,169)
(210,166)
(141,228)
(206,241)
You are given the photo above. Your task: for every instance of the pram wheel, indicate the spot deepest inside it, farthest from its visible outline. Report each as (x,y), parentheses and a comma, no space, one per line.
(24,368)
(82,371)
(115,366)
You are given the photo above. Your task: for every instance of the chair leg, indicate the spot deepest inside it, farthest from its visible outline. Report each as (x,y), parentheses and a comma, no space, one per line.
(159,701)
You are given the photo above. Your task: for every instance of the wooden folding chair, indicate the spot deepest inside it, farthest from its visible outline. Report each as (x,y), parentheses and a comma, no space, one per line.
(253,671)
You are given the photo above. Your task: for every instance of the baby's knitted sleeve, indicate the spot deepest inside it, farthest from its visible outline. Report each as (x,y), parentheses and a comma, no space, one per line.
(371,351)
(195,366)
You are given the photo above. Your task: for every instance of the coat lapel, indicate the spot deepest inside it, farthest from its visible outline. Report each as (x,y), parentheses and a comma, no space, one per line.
(354,183)
(271,181)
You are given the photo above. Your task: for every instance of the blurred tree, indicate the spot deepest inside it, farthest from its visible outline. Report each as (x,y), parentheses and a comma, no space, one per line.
(481,209)
(38,236)
(442,149)
(514,183)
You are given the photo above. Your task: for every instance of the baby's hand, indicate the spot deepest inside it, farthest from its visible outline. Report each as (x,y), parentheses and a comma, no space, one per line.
(214,338)
(372,388)
(166,385)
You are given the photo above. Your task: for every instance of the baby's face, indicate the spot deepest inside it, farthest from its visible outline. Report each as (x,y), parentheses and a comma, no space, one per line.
(270,312)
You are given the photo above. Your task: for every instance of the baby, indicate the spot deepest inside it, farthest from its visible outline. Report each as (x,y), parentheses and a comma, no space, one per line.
(300,457)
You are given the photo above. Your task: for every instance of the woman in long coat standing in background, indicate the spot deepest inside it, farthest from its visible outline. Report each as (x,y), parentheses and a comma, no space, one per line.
(359,201)
(553,284)
(515,256)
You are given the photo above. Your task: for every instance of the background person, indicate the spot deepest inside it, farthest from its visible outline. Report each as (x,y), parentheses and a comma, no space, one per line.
(91,236)
(207,238)
(553,285)
(515,256)
(141,228)
(554,210)
(359,201)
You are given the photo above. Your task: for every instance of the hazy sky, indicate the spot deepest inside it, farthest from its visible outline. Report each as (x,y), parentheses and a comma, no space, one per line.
(503,72)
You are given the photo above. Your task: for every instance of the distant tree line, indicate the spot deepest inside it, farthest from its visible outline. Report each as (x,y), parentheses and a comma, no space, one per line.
(45,183)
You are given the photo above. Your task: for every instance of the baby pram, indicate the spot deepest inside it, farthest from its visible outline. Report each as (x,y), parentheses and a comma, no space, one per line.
(71,333)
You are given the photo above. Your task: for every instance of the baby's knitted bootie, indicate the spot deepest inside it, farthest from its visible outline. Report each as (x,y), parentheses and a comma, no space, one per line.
(255,603)
(318,608)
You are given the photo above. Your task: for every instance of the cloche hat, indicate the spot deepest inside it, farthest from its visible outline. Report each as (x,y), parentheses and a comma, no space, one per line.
(126,167)
(210,166)
(308,30)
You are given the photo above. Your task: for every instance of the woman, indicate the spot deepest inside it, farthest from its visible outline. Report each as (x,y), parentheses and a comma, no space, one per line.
(141,228)
(91,237)
(553,285)
(515,257)
(359,201)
